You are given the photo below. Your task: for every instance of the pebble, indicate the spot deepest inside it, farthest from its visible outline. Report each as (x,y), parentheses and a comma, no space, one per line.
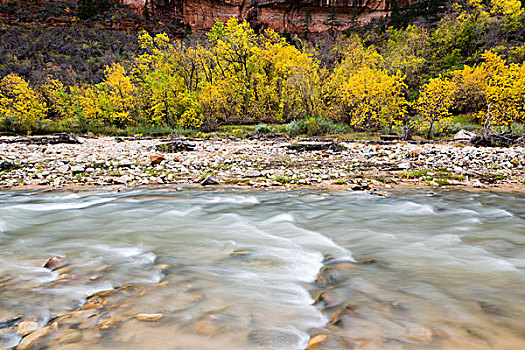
(149,317)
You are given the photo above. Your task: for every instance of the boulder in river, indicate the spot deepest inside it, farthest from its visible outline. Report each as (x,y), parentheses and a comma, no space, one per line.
(55,262)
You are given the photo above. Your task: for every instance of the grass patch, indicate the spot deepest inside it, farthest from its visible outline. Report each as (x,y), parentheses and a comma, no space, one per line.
(282,179)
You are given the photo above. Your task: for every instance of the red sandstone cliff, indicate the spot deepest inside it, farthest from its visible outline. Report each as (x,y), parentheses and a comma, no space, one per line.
(281,15)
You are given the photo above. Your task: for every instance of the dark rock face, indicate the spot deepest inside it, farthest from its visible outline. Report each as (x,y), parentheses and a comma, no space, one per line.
(282,15)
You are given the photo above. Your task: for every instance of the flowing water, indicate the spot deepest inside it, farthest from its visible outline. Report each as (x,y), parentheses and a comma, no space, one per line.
(237,270)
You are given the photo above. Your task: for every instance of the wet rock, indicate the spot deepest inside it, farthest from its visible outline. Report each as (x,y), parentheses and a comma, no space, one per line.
(70,336)
(162,267)
(326,298)
(360,187)
(336,317)
(27,327)
(278,339)
(341,264)
(325,277)
(32,339)
(490,308)
(205,327)
(9,338)
(420,334)
(72,347)
(94,303)
(209,180)
(149,317)
(55,262)
(10,322)
(240,253)
(5,165)
(64,270)
(156,158)
(318,339)
(369,261)
(110,322)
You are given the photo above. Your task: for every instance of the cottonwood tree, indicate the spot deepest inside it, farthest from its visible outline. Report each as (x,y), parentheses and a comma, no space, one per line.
(434,103)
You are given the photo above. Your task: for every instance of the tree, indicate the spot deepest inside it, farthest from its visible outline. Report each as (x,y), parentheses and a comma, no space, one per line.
(112,101)
(434,102)
(21,107)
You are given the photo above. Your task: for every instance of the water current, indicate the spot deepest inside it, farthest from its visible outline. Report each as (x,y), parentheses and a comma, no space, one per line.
(237,270)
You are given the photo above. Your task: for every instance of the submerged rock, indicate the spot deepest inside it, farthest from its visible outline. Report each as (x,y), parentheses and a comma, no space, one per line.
(33,338)
(27,327)
(149,317)
(206,327)
(9,338)
(316,340)
(70,336)
(274,338)
(420,334)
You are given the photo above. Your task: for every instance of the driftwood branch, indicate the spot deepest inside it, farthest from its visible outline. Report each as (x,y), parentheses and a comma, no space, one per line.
(44,140)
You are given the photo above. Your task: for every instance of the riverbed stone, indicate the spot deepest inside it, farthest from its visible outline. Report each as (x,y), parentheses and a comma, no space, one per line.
(55,262)
(77,169)
(156,158)
(149,317)
(27,327)
(420,334)
(70,336)
(237,160)
(314,341)
(32,339)
(205,327)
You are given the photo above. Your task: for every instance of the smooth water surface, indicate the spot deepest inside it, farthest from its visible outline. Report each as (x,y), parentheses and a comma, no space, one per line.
(450,270)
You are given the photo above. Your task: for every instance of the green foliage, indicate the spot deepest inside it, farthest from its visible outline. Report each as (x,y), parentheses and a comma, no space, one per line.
(264,129)
(312,126)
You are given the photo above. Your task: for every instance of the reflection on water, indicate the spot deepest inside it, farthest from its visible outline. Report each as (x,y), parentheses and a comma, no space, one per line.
(237,270)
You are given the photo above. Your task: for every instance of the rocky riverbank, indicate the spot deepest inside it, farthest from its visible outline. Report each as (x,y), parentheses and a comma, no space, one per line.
(108,161)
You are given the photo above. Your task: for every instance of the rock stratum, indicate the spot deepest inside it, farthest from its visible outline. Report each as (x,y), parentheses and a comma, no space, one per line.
(315,16)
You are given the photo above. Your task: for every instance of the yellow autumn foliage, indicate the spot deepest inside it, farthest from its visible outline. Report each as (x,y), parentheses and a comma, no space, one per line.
(21,107)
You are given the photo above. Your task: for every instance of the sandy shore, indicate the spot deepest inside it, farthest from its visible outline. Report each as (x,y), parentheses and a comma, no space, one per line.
(108,161)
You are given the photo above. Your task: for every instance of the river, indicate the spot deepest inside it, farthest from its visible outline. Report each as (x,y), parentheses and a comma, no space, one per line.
(237,269)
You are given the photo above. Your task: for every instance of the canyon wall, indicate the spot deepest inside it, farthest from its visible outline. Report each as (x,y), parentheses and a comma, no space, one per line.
(282,15)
